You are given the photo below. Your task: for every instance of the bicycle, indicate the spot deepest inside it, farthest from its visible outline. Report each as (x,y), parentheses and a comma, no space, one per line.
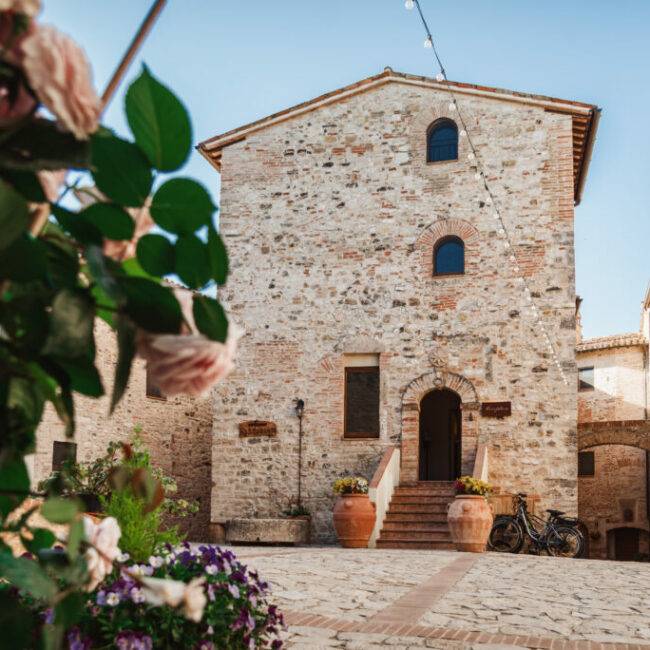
(559,535)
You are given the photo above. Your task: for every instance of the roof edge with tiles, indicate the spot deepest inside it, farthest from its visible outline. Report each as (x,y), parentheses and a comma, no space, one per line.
(608,342)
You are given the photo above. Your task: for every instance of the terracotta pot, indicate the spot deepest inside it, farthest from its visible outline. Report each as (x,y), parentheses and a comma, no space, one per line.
(470,521)
(354,519)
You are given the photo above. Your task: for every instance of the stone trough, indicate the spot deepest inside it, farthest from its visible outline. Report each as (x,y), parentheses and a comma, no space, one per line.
(268,531)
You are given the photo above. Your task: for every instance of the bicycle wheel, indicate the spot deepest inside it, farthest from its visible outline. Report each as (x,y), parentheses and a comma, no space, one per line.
(506,536)
(565,541)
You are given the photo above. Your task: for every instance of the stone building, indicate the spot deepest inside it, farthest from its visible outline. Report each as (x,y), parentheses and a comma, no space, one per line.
(177,431)
(614,441)
(373,282)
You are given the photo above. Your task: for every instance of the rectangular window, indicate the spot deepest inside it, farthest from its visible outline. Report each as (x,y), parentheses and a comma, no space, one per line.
(62,451)
(362,402)
(586,378)
(586,463)
(152,389)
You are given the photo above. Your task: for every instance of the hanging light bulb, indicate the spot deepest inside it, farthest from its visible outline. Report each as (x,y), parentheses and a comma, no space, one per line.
(462,133)
(477,176)
(409,4)
(452,106)
(471,155)
(428,43)
(488,200)
(440,77)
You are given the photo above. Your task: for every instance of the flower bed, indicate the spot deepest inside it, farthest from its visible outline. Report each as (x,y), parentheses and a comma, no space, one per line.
(193,598)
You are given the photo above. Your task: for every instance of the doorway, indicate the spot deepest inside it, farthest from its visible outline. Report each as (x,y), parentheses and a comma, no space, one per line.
(440,436)
(625,544)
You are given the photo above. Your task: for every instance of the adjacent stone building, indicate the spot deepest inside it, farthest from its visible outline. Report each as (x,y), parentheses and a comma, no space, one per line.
(614,441)
(374,283)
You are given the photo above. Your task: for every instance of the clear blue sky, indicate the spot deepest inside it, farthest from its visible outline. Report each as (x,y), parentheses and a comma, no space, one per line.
(233,61)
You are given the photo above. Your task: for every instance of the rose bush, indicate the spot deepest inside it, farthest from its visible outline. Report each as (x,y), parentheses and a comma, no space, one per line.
(63,264)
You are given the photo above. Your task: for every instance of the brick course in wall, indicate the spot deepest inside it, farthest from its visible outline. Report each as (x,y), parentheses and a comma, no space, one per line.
(331,218)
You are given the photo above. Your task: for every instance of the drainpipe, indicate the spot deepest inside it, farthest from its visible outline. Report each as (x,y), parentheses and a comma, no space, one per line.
(300,411)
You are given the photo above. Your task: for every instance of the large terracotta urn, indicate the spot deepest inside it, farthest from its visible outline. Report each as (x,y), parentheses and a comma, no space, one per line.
(354,519)
(470,521)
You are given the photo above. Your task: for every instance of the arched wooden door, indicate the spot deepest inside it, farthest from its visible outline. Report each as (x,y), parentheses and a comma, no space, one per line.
(440,436)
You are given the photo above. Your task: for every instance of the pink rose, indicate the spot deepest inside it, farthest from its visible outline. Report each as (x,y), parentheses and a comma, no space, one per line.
(59,73)
(103,549)
(187,363)
(27,7)
(12,110)
(51,182)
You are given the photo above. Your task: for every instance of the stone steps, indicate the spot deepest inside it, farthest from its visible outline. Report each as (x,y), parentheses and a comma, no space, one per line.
(417,517)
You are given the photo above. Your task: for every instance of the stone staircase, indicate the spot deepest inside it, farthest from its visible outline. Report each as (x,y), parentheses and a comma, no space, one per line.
(417,517)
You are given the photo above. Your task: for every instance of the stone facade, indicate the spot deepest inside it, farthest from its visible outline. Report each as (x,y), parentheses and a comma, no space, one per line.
(614,427)
(330,217)
(177,431)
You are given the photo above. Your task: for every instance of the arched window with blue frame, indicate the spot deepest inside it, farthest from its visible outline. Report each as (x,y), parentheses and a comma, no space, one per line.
(442,141)
(449,256)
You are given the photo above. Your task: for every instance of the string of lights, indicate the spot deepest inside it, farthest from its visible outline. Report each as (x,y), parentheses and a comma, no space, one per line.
(490,199)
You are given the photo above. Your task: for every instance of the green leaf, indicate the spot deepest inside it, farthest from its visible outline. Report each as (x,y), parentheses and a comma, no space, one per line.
(13,478)
(25,396)
(80,228)
(126,353)
(41,144)
(75,537)
(23,260)
(120,170)
(111,220)
(28,576)
(14,215)
(42,538)
(133,267)
(182,206)
(25,183)
(192,262)
(59,510)
(84,377)
(159,122)
(150,305)
(156,255)
(218,255)
(62,263)
(16,622)
(210,318)
(71,325)
(70,609)
(100,270)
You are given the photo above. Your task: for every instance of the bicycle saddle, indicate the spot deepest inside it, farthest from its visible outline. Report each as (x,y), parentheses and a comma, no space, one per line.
(555,513)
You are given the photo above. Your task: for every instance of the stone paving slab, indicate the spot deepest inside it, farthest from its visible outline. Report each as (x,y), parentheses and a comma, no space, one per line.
(340,598)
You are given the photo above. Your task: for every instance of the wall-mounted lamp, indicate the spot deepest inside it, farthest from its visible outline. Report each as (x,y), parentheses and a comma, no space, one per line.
(299,408)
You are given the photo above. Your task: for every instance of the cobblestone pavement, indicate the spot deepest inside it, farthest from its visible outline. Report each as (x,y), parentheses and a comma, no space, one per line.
(367,599)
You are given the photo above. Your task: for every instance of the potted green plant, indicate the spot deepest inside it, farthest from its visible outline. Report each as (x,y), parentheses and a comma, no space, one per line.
(354,514)
(469,515)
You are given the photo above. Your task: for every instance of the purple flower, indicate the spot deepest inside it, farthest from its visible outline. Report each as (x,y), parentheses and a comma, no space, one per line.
(277,644)
(101,597)
(78,642)
(48,616)
(206,645)
(234,591)
(130,640)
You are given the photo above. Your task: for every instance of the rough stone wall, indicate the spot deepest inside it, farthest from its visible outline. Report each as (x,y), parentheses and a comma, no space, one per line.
(620,480)
(326,218)
(176,430)
(619,378)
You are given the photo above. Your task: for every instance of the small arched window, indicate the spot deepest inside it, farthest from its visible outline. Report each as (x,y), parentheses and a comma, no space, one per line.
(442,141)
(449,256)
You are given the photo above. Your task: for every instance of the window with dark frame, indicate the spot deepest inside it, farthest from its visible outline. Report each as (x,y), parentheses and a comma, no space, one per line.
(153,390)
(586,463)
(61,452)
(442,141)
(361,402)
(586,378)
(449,256)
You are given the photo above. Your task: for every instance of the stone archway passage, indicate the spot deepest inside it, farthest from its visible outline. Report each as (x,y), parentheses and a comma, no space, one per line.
(411,400)
(634,433)
(440,436)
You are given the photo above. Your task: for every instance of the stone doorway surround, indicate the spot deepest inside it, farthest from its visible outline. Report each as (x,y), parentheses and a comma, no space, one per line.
(437,379)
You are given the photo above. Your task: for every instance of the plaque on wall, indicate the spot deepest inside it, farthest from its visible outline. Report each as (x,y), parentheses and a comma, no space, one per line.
(496,409)
(252,428)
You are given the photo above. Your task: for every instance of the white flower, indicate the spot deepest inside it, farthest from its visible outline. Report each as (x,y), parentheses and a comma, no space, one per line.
(156,561)
(112,599)
(27,7)
(170,558)
(189,597)
(123,557)
(212,569)
(234,591)
(137,596)
(103,549)
(136,570)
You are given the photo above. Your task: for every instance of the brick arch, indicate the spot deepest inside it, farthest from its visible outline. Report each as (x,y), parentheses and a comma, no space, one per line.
(435,231)
(633,433)
(411,398)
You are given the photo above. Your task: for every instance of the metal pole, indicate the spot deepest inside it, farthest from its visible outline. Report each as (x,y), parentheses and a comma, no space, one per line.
(132,50)
(300,461)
